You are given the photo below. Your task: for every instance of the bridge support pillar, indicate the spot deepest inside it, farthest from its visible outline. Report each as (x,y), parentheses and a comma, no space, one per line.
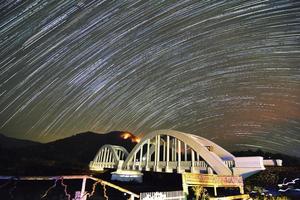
(185,188)
(241,189)
(215,191)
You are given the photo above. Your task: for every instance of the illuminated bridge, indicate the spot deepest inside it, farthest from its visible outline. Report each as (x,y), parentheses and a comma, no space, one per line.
(108,156)
(174,151)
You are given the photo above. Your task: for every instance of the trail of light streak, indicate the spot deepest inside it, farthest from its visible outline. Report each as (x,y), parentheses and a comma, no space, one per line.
(65,189)
(89,195)
(71,177)
(205,67)
(49,189)
(288,183)
(104,191)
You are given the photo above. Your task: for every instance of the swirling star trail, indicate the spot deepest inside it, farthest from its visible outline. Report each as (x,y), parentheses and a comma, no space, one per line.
(226,70)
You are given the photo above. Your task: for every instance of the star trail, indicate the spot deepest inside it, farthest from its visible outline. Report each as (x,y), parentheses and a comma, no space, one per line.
(226,70)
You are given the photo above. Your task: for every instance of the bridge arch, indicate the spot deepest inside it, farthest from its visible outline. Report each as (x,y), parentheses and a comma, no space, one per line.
(108,156)
(166,145)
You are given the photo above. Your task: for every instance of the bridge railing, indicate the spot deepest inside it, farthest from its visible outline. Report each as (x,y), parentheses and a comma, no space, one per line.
(101,165)
(229,163)
(173,165)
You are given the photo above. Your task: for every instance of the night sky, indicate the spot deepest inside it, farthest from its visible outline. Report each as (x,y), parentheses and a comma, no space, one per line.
(226,70)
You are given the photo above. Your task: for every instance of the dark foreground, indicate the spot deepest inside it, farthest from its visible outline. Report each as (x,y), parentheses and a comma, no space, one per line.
(263,184)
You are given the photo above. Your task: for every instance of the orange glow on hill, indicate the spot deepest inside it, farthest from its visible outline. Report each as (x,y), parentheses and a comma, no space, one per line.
(136,140)
(127,135)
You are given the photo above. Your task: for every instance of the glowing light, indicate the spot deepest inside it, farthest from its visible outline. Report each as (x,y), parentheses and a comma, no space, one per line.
(136,139)
(127,135)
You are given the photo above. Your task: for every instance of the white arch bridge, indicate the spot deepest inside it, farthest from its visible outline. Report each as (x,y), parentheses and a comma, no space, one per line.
(174,151)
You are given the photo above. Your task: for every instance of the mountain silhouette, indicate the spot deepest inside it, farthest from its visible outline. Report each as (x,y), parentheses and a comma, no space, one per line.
(69,154)
(9,142)
(83,146)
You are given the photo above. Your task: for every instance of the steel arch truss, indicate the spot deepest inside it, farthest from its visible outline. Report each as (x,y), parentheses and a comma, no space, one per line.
(108,156)
(169,150)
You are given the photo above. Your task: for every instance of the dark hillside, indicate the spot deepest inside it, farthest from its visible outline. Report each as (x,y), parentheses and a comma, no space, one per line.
(71,154)
(9,142)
